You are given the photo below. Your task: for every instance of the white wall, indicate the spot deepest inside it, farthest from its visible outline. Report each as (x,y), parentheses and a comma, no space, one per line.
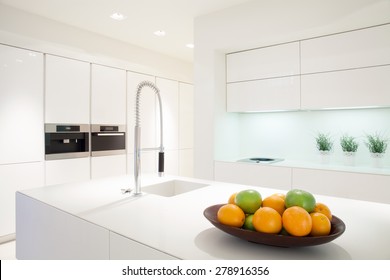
(29,31)
(255,24)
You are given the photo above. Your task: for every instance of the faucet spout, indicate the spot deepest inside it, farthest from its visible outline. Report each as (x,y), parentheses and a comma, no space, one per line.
(137,136)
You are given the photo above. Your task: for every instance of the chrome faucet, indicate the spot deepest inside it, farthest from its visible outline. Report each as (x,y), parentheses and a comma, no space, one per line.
(137,139)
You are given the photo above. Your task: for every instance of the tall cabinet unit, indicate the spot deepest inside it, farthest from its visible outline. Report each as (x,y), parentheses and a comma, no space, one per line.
(169,91)
(67,101)
(108,107)
(21,122)
(186,129)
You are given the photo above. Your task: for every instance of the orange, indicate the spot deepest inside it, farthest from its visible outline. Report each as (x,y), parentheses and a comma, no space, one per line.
(281,195)
(231,215)
(297,221)
(275,202)
(320,224)
(322,208)
(231,198)
(267,220)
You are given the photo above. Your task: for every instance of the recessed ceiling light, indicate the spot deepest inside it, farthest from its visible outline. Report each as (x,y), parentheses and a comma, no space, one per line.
(159,33)
(118,16)
(191,46)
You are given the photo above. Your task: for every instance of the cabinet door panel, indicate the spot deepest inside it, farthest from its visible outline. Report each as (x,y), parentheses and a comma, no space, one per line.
(367,87)
(186,116)
(252,174)
(264,95)
(67,170)
(67,90)
(343,184)
(267,62)
(106,166)
(21,105)
(108,95)
(361,48)
(169,91)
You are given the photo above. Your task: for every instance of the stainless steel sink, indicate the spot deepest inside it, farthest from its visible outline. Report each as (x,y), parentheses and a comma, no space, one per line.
(172,188)
(265,160)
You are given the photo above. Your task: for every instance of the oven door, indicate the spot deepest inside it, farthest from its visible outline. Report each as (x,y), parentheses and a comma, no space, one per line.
(110,140)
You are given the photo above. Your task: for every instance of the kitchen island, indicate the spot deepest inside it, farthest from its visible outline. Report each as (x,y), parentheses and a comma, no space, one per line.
(94,220)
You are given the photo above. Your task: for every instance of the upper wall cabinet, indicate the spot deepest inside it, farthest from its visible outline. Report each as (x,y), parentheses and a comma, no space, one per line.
(268,62)
(360,48)
(21,105)
(357,88)
(264,95)
(108,95)
(264,79)
(67,90)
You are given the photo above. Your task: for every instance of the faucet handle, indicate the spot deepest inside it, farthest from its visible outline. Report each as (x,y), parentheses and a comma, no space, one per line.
(161,162)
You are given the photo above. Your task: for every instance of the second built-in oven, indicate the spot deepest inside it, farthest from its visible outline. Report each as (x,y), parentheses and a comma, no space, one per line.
(108,140)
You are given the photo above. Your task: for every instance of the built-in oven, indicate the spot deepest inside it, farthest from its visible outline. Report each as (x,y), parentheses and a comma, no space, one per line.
(108,140)
(63,141)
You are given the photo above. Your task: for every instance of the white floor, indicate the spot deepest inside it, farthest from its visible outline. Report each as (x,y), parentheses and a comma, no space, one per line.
(7,251)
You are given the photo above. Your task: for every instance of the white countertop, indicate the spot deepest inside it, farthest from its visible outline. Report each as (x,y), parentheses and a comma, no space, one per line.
(176,225)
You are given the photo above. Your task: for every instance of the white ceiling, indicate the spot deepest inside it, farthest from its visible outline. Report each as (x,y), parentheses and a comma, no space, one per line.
(144,17)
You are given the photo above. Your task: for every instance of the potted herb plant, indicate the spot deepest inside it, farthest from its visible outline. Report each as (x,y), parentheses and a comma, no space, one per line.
(324,145)
(377,146)
(349,146)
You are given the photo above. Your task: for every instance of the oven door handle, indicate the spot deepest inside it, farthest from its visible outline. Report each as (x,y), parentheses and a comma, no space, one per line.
(111,134)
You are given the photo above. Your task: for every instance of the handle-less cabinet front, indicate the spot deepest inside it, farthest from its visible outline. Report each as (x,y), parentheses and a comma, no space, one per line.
(21,105)
(67,90)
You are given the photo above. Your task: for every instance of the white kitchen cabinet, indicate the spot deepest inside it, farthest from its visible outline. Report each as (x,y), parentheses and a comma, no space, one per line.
(21,105)
(106,166)
(44,232)
(108,95)
(253,174)
(123,248)
(149,162)
(354,49)
(169,91)
(67,90)
(186,162)
(67,170)
(15,177)
(362,186)
(267,62)
(365,87)
(186,116)
(264,95)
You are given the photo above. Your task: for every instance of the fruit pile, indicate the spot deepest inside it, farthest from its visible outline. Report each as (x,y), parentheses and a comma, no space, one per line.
(296,213)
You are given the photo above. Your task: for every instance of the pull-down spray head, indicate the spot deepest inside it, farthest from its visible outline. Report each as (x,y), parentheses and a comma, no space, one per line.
(137,136)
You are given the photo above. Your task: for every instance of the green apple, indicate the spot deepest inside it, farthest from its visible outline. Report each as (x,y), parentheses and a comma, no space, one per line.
(304,199)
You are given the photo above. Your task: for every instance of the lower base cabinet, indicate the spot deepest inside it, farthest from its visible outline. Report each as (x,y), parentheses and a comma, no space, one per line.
(67,170)
(360,186)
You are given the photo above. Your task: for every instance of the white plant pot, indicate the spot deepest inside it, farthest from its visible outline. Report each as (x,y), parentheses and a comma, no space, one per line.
(377,159)
(325,157)
(349,158)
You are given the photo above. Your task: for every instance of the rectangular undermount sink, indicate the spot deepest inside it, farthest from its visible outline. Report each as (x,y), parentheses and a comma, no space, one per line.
(172,188)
